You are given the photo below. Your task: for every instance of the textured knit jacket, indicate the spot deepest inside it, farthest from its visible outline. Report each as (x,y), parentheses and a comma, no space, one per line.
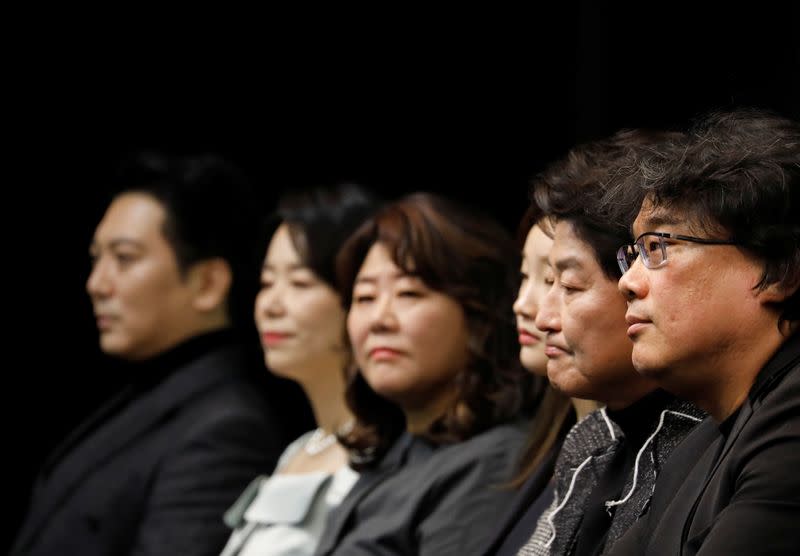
(585,457)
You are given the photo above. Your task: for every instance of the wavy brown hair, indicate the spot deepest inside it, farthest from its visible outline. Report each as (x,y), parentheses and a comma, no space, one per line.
(472,259)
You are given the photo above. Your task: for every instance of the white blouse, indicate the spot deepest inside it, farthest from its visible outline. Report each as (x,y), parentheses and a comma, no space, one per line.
(285,514)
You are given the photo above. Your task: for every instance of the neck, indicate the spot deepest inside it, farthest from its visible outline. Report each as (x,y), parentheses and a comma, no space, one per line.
(209,322)
(325,390)
(735,372)
(630,392)
(583,407)
(420,418)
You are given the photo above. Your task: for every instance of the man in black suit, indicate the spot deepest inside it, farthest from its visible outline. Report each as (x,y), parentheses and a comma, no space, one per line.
(713,307)
(154,470)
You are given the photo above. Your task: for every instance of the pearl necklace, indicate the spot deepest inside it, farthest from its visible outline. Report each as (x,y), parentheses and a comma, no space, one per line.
(319,441)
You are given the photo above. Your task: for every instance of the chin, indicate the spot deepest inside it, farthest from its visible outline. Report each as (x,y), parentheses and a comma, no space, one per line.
(386,389)
(112,346)
(534,365)
(280,367)
(570,383)
(646,366)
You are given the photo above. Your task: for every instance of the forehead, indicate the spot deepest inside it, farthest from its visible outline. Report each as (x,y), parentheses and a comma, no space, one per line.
(281,248)
(135,216)
(379,262)
(570,251)
(651,217)
(537,243)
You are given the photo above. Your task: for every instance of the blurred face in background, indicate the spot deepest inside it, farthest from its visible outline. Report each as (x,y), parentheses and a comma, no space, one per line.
(537,277)
(299,316)
(409,341)
(142,302)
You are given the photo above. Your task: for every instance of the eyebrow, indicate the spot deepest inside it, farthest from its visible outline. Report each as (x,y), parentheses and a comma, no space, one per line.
(568,262)
(660,219)
(372,279)
(545,258)
(292,266)
(118,242)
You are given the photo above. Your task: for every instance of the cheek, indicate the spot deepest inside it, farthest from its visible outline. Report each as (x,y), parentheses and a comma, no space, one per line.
(324,317)
(259,307)
(356,330)
(447,347)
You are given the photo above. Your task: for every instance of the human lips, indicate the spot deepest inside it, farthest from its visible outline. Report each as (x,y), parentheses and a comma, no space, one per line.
(383,353)
(104,320)
(554,349)
(528,338)
(635,324)
(273,338)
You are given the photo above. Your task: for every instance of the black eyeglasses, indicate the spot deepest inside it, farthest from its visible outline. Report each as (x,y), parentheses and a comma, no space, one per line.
(653,248)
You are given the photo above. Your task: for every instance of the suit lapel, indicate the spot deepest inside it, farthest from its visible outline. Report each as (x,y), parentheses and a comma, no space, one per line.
(338,521)
(781,364)
(141,415)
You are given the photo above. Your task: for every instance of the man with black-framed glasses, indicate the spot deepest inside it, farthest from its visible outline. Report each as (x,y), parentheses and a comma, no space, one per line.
(712,287)
(652,246)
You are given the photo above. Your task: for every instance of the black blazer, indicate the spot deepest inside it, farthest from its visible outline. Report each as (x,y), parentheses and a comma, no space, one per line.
(517,525)
(733,489)
(428,500)
(156,476)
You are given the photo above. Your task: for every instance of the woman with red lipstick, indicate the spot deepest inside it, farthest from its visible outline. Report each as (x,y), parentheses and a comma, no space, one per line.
(438,387)
(300,317)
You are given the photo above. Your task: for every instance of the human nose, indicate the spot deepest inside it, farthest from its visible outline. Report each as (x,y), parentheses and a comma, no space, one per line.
(383,316)
(99,282)
(633,283)
(548,318)
(270,302)
(524,305)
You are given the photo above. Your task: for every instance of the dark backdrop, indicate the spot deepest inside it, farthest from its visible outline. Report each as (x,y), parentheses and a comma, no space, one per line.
(461,104)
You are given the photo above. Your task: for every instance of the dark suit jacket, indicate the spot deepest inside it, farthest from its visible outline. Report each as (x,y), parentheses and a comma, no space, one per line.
(428,500)
(516,526)
(733,489)
(156,475)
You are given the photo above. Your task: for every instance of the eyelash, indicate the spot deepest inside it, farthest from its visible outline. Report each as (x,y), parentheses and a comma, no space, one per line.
(566,288)
(124,258)
(302,284)
(409,293)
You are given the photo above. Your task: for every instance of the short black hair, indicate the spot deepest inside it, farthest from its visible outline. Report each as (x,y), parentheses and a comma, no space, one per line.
(595,189)
(210,213)
(740,174)
(319,220)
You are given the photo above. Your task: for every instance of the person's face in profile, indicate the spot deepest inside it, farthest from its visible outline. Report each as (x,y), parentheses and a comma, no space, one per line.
(536,279)
(299,316)
(409,341)
(583,315)
(700,308)
(141,302)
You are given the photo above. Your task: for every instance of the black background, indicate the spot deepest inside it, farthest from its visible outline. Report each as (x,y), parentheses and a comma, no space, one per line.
(469,105)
